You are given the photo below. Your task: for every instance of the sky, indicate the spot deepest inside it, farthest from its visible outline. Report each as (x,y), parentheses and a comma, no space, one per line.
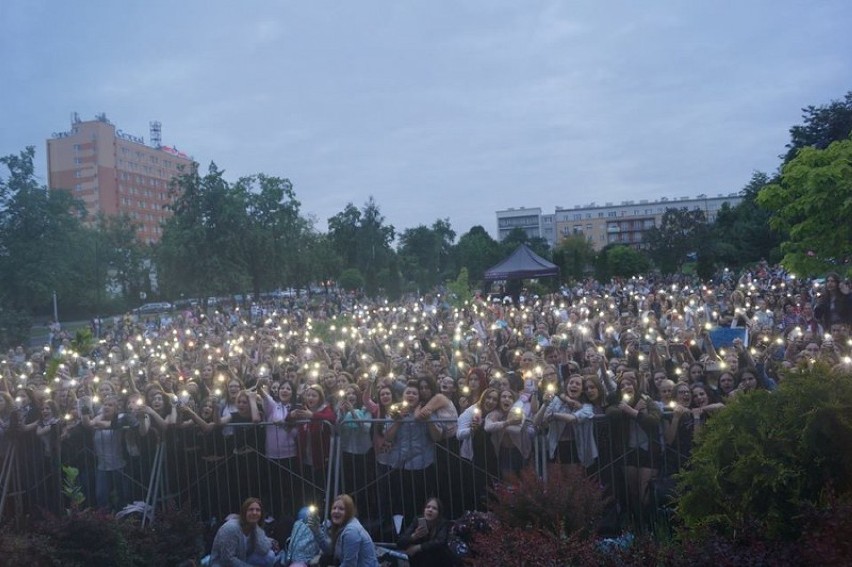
(437,109)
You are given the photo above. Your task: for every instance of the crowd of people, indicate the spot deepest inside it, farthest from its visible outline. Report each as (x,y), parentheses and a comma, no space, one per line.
(420,396)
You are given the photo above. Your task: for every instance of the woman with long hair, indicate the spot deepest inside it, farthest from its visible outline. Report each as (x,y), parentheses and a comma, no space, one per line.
(509,436)
(345,540)
(241,540)
(412,452)
(315,421)
(478,459)
(425,539)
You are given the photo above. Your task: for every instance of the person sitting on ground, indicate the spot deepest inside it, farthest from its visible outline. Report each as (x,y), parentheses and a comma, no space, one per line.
(241,541)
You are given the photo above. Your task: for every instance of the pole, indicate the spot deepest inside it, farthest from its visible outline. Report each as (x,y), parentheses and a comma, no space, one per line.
(55,309)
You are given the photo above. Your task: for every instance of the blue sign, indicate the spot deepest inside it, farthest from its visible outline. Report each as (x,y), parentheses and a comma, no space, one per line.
(723,337)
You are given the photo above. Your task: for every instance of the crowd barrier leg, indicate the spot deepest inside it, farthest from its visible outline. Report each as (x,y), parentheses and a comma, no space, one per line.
(153,496)
(6,475)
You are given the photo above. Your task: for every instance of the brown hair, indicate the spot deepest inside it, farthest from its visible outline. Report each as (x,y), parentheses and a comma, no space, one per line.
(349,513)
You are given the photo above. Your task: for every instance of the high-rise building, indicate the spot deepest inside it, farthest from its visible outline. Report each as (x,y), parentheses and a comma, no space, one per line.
(114,172)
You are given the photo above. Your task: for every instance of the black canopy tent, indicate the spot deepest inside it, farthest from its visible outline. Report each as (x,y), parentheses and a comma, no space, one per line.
(523,263)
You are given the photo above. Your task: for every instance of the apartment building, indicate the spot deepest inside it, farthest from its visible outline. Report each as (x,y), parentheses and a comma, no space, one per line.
(625,223)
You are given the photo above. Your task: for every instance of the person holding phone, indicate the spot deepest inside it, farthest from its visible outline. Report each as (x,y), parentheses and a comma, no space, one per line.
(425,539)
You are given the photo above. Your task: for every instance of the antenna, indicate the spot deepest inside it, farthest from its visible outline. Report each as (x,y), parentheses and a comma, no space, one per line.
(156,130)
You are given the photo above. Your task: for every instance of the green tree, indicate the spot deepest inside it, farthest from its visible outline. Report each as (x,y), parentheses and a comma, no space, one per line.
(320,260)
(477,252)
(460,289)
(518,236)
(574,255)
(812,202)
(742,233)
(678,235)
(425,252)
(351,279)
(822,125)
(362,239)
(620,260)
(40,232)
(225,238)
(275,235)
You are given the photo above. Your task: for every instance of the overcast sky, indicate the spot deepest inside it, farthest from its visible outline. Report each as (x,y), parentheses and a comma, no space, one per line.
(437,109)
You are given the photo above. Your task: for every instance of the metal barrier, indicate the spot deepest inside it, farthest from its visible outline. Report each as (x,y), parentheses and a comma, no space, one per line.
(212,473)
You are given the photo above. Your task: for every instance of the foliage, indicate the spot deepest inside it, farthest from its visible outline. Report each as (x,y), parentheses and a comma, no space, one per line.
(567,503)
(812,201)
(71,488)
(425,253)
(822,125)
(175,536)
(362,240)
(477,252)
(518,236)
(825,537)
(26,549)
(532,547)
(680,233)
(620,260)
(574,255)
(40,231)
(83,341)
(742,233)
(351,279)
(90,538)
(769,456)
(460,289)
(224,238)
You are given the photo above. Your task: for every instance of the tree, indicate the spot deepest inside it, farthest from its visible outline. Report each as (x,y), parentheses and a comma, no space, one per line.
(574,255)
(620,260)
(351,279)
(742,233)
(123,259)
(678,235)
(40,252)
(424,253)
(477,252)
(199,253)
(362,239)
(812,202)
(518,236)
(822,125)
(274,237)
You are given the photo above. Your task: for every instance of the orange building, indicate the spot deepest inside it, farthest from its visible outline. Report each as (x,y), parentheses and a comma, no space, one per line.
(114,172)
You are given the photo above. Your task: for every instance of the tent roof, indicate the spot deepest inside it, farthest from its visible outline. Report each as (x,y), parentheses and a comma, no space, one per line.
(522,263)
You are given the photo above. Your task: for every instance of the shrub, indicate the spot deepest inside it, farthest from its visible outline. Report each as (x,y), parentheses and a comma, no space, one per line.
(768,457)
(26,549)
(566,504)
(87,538)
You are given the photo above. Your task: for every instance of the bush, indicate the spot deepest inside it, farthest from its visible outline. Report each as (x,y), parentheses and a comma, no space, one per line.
(94,538)
(766,459)
(566,504)
(26,549)
(86,539)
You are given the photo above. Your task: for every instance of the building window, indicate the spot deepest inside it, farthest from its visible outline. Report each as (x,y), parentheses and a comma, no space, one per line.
(78,187)
(78,173)
(611,214)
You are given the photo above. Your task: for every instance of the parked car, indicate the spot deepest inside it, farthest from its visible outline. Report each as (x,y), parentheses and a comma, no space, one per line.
(156,307)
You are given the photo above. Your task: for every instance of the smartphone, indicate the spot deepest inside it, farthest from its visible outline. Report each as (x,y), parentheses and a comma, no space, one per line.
(421,523)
